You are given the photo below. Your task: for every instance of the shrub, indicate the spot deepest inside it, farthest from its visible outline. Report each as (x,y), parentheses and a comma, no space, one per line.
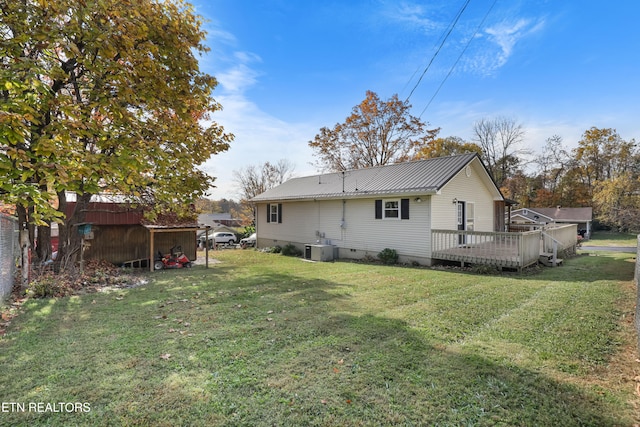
(247,231)
(291,250)
(388,256)
(484,269)
(275,250)
(50,285)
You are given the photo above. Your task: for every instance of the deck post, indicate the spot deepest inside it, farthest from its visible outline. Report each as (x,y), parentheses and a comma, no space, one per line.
(520,251)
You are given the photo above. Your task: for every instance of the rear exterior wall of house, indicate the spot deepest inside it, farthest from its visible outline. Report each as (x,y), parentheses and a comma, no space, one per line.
(351,226)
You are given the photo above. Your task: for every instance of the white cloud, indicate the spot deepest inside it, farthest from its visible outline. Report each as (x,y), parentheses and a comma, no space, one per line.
(239,76)
(507,34)
(493,47)
(259,137)
(237,79)
(410,13)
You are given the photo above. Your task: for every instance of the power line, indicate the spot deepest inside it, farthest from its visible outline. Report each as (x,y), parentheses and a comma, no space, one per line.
(458,59)
(450,29)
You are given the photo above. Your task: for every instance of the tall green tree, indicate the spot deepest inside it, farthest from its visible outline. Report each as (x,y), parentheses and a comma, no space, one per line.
(376,133)
(103,96)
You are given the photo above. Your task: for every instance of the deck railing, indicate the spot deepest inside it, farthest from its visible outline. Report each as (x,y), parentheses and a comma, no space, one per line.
(566,237)
(514,250)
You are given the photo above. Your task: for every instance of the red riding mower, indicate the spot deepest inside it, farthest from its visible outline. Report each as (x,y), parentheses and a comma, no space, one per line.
(174,259)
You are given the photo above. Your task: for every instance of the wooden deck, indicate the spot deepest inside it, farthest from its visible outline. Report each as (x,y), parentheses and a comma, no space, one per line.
(508,250)
(500,255)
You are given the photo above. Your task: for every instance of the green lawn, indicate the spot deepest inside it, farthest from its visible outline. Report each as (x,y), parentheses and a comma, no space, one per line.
(611,238)
(266,340)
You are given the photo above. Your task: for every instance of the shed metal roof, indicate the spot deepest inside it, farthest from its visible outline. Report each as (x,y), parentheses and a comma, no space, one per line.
(422,176)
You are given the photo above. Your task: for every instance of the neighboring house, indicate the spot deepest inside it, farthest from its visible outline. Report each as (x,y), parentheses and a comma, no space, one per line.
(360,212)
(533,218)
(217,219)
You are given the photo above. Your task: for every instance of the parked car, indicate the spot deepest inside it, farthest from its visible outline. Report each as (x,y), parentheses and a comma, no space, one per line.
(221,237)
(248,241)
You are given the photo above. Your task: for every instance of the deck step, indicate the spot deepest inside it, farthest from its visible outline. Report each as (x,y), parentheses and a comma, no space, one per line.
(546,259)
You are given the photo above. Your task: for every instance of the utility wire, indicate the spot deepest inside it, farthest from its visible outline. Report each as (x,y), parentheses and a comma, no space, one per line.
(459,56)
(451,27)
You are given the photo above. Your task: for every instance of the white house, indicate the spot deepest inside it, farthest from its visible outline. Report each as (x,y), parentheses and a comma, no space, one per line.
(360,212)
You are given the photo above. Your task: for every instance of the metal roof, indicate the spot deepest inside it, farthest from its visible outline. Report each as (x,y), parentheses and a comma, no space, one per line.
(421,176)
(563,214)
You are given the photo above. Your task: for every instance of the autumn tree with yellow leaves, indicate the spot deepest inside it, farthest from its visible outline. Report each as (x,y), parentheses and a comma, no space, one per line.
(376,133)
(102,96)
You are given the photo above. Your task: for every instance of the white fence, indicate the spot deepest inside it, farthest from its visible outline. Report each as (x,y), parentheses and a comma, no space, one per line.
(9,254)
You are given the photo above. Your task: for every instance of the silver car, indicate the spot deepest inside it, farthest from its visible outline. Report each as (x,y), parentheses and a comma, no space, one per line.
(221,237)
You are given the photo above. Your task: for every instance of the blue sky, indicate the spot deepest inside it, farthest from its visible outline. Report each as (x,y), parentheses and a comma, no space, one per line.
(286,68)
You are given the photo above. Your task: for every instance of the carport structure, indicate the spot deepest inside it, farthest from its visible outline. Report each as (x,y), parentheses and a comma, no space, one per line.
(162,233)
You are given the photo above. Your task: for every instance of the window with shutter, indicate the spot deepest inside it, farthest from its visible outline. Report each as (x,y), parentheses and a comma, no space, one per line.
(392,209)
(274,212)
(404,209)
(378,209)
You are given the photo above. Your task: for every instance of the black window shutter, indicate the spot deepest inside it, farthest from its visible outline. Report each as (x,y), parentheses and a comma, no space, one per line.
(404,208)
(378,209)
(280,213)
(268,212)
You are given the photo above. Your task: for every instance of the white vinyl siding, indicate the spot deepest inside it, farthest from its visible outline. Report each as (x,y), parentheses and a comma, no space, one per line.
(322,221)
(352,225)
(471,190)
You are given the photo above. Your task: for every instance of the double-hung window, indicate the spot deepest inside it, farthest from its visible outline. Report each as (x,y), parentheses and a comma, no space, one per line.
(391,209)
(274,212)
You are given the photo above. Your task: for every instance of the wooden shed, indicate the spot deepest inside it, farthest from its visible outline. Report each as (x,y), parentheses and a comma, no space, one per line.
(116,232)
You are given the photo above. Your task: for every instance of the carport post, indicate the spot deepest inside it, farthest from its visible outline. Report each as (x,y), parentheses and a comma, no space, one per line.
(206,247)
(151,249)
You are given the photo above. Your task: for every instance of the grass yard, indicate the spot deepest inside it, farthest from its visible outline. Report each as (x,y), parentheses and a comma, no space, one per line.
(612,238)
(266,340)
